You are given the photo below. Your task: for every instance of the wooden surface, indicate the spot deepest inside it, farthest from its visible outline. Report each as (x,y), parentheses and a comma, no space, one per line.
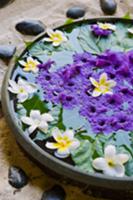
(52,13)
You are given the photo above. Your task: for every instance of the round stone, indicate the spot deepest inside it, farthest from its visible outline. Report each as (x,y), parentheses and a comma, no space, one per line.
(75,12)
(7,51)
(17,177)
(55,193)
(108,6)
(30,27)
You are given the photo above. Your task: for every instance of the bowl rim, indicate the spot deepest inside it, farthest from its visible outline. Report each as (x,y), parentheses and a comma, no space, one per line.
(41,156)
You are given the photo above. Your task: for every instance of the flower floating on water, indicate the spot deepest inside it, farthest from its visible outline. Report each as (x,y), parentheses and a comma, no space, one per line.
(111,164)
(130,30)
(36,120)
(65,143)
(104,86)
(22,88)
(103,29)
(30,65)
(56,37)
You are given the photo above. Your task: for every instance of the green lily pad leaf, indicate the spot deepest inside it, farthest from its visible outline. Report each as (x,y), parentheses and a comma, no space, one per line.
(40,49)
(122,138)
(72,119)
(129,168)
(41,136)
(35,104)
(88,41)
(83,156)
(97,145)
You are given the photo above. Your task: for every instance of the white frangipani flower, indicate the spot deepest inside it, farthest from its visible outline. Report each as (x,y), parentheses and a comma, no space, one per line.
(22,89)
(36,120)
(65,143)
(56,37)
(111,164)
(30,64)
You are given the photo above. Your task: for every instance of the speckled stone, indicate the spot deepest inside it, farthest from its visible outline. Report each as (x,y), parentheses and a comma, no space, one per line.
(17,177)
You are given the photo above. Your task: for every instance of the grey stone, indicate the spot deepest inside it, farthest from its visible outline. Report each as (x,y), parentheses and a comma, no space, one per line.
(55,193)
(17,177)
(7,51)
(108,6)
(30,27)
(75,12)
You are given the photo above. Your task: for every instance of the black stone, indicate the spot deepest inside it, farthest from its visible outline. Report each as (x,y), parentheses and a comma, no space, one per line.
(108,6)
(30,27)
(55,193)
(75,12)
(7,51)
(5,2)
(17,177)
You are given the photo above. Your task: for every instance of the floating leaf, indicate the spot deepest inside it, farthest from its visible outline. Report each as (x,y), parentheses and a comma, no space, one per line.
(129,168)
(88,41)
(122,138)
(41,136)
(82,156)
(35,104)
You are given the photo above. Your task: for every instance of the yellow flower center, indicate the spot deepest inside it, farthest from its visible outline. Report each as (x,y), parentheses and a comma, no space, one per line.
(104,88)
(64,143)
(111,163)
(105,26)
(56,37)
(21,90)
(30,65)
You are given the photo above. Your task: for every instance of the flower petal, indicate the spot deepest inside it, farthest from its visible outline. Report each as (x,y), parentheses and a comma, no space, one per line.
(32,128)
(43,126)
(51,145)
(47,117)
(14,87)
(96,92)
(122,158)
(94,82)
(22,96)
(117,171)
(35,114)
(30,88)
(111,83)
(99,163)
(50,32)
(62,153)
(130,30)
(23,63)
(47,40)
(55,44)
(57,134)
(103,78)
(110,152)
(26,120)
(69,134)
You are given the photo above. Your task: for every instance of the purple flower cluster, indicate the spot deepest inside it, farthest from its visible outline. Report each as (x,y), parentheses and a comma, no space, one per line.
(99,31)
(71,87)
